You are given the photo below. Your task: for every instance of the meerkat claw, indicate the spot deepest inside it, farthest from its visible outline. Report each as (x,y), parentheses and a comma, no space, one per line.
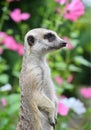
(55,121)
(52,123)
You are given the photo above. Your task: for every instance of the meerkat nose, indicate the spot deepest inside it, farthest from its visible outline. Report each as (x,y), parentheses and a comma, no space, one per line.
(63,43)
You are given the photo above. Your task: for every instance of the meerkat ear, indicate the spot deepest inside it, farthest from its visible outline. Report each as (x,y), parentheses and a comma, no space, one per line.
(30,40)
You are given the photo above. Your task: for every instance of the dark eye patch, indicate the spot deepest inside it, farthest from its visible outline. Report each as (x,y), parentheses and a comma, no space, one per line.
(51,37)
(30,40)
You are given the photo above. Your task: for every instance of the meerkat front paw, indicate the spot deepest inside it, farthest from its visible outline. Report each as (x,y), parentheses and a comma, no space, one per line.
(55,120)
(53,116)
(52,122)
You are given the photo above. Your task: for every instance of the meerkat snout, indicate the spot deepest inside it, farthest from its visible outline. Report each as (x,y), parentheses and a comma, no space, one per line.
(62,44)
(43,40)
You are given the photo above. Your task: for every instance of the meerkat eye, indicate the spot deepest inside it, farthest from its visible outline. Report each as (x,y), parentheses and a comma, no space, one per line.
(51,37)
(30,40)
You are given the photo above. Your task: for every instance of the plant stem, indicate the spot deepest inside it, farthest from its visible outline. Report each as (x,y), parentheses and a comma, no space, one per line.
(5,8)
(67,60)
(19,25)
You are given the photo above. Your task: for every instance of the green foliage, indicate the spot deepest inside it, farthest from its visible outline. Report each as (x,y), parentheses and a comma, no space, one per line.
(9,114)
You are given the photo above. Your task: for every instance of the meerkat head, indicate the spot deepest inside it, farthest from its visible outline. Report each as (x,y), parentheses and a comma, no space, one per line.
(42,41)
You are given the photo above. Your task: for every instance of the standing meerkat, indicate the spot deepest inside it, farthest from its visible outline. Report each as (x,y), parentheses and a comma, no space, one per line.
(38,109)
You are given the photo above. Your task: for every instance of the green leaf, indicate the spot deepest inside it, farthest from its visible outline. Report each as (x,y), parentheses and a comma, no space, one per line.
(80,50)
(81,60)
(74,68)
(10,31)
(16,74)
(68,86)
(59,89)
(13,98)
(60,66)
(4,78)
(14,103)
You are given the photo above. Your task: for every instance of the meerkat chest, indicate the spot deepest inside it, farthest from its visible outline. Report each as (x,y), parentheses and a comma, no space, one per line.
(45,72)
(47,86)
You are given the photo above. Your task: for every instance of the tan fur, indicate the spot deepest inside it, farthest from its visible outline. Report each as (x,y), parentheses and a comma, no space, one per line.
(38,100)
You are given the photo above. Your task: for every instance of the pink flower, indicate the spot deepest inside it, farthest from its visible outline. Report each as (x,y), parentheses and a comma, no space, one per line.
(2,36)
(1,50)
(25,16)
(61,1)
(62,109)
(20,49)
(4,102)
(68,45)
(70,78)
(63,96)
(59,80)
(74,10)
(10,43)
(86,92)
(17,16)
(75,104)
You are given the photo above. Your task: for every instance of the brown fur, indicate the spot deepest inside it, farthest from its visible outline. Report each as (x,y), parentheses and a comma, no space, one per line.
(38,109)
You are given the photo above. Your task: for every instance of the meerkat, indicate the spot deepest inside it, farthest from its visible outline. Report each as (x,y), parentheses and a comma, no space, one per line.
(38,108)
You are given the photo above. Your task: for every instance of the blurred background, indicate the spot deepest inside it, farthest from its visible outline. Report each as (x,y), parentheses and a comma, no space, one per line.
(70,66)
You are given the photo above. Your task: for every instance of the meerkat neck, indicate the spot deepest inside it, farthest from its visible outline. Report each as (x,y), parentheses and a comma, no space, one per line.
(34,59)
(37,57)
